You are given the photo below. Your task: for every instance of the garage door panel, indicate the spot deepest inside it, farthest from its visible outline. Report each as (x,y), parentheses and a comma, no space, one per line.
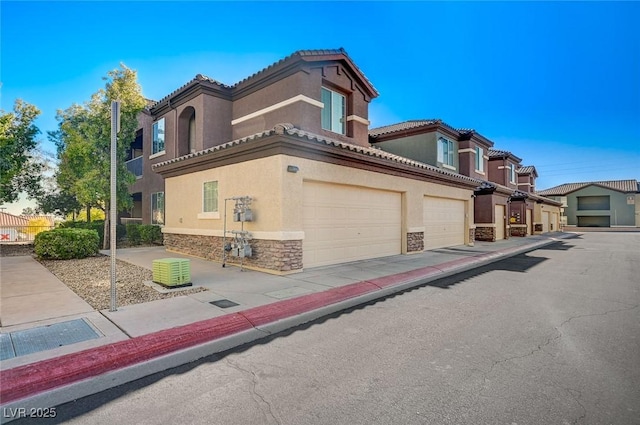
(347,223)
(444,222)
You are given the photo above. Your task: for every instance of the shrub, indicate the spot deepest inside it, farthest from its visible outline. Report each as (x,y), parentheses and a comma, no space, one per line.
(64,244)
(98,226)
(150,234)
(133,233)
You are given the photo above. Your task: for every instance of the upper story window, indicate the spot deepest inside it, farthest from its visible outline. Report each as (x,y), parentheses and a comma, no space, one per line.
(210,197)
(334,112)
(479,159)
(446,152)
(512,171)
(158,137)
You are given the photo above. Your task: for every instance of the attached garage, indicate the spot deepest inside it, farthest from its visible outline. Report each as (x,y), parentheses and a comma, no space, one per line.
(347,223)
(545,221)
(444,222)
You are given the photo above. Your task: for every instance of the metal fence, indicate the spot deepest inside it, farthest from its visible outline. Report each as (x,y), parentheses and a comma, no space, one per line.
(21,234)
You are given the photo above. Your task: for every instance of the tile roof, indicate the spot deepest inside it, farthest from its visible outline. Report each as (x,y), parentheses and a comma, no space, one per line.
(627,186)
(8,220)
(407,125)
(528,169)
(289,129)
(299,53)
(498,153)
(308,53)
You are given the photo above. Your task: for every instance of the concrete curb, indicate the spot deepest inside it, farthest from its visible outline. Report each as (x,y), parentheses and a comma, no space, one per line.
(59,380)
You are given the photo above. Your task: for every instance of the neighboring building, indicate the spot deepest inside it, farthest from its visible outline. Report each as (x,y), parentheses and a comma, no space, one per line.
(504,204)
(23,228)
(598,204)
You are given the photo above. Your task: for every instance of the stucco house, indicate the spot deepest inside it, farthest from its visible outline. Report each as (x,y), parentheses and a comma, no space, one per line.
(613,203)
(293,139)
(504,204)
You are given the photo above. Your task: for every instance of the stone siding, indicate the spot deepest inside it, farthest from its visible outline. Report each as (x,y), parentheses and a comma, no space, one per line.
(415,242)
(279,256)
(485,234)
(518,230)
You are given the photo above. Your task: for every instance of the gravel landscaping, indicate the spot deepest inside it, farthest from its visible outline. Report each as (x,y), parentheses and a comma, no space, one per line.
(90,278)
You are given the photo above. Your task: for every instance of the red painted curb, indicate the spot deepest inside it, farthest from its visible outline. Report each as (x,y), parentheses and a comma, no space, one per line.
(24,381)
(396,279)
(455,264)
(45,375)
(283,309)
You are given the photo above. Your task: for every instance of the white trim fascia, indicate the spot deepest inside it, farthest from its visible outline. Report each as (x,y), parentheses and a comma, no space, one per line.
(481,225)
(358,119)
(272,236)
(298,98)
(471,150)
(480,172)
(502,167)
(157,154)
(485,157)
(449,167)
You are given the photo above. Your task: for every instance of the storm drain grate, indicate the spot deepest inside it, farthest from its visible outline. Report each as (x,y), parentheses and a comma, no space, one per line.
(224,303)
(6,347)
(48,337)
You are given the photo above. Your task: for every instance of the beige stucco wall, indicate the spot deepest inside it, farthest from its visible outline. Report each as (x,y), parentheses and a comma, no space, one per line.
(277,194)
(540,208)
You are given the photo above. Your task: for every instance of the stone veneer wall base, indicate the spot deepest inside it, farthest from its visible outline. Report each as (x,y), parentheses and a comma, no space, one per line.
(415,242)
(485,233)
(279,257)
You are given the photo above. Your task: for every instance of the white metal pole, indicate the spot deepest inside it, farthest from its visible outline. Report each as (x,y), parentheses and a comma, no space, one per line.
(115,127)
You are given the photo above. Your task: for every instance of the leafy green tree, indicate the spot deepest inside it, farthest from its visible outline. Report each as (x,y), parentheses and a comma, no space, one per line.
(18,170)
(83,140)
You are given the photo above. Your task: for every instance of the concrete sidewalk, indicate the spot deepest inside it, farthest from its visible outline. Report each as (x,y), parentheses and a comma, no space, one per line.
(142,339)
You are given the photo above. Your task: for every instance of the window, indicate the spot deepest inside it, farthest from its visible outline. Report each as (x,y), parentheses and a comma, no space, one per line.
(479,159)
(334,112)
(158,137)
(512,169)
(210,197)
(157,208)
(446,152)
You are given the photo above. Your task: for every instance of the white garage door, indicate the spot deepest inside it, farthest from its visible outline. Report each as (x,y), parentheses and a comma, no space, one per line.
(500,218)
(444,222)
(545,222)
(347,223)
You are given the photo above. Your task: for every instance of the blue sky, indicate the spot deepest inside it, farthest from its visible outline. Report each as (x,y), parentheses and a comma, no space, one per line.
(556,83)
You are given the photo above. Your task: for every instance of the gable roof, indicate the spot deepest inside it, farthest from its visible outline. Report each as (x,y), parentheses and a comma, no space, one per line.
(625,186)
(528,169)
(9,220)
(377,132)
(498,153)
(280,66)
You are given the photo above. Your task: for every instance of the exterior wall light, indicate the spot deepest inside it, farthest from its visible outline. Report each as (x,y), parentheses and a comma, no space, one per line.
(292,169)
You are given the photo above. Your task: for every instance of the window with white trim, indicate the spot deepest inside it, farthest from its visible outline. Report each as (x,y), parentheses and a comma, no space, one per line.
(512,170)
(157,208)
(479,159)
(210,197)
(158,137)
(446,152)
(334,112)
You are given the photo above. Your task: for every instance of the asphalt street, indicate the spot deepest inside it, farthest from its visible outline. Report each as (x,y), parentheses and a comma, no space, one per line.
(547,337)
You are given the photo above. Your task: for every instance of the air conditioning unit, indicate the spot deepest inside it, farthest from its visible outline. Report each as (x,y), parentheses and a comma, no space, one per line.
(172,272)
